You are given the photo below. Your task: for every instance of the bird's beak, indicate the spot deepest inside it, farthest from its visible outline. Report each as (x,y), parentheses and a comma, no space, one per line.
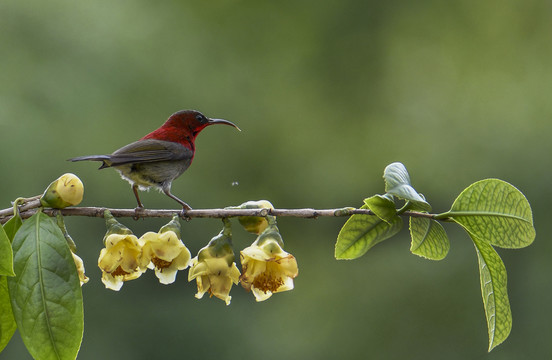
(222,121)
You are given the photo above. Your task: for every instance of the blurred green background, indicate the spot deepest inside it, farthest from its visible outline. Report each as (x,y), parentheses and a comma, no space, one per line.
(327,93)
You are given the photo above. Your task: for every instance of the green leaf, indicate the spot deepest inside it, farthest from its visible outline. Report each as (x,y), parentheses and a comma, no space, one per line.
(496,212)
(419,206)
(12,225)
(397,183)
(6,254)
(362,232)
(382,206)
(7,322)
(492,274)
(45,294)
(429,238)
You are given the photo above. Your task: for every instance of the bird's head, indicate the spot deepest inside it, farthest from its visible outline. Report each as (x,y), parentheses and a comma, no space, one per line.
(185,124)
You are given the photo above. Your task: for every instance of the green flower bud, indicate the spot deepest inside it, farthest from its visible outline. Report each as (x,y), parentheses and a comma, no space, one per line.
(254,224)
(220,246)
(66,191)
(270,234)
(173,225)
(113,226)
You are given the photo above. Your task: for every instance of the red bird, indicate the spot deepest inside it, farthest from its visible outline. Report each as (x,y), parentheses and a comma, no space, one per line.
(161,156)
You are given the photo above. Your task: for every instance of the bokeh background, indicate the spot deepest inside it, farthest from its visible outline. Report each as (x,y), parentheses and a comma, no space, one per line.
(327,93)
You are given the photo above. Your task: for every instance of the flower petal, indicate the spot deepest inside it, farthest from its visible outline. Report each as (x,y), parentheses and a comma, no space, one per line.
(197,269)
(182,261)
(234,274)
(203,285)
(288,265)
(254,252)
(287,285)
(260,295)
(112,282)
(166,276)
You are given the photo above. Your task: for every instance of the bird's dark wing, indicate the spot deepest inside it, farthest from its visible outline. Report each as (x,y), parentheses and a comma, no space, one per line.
(150,150)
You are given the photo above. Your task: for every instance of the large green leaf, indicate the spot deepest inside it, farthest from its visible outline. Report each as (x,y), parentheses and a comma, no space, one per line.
(496,212)
(12,225)
(397,183)
(492,274)
(6,254)
(45,294)
(429,238)
(7,322)
(362,232)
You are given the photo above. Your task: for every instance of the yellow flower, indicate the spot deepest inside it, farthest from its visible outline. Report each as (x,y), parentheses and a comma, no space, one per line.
(266,267)
(80,268)
(67,190)
(214,268)
(120,260)
(165,253)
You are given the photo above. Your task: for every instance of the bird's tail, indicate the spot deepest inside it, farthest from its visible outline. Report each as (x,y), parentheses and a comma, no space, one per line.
(103,158)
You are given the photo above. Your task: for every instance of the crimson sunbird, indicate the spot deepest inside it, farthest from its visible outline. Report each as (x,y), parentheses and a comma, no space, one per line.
(161,156)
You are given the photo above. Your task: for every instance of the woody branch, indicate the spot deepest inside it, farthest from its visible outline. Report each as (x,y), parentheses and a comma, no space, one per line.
(28,207)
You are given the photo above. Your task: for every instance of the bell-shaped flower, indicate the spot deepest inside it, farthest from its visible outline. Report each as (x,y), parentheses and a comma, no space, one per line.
(67,190)
(266,267)
(165,252)
(214,268)
(121,258)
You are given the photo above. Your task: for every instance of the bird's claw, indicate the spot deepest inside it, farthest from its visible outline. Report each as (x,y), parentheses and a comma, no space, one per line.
(184,213)
(137,211)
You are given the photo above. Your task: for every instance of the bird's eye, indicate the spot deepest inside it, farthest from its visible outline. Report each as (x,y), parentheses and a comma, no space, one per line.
(201,118)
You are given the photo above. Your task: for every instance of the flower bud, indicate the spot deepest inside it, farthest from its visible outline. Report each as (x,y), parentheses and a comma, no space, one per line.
(66,191)
(173,225)
(113,226)
(254,224)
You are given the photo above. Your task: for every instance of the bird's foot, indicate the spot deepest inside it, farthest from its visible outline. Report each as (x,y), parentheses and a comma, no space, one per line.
(137,212)
(183,213)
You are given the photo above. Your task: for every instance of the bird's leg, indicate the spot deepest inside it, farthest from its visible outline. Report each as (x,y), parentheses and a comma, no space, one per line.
(135,189)
(140,207)
(185,207)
